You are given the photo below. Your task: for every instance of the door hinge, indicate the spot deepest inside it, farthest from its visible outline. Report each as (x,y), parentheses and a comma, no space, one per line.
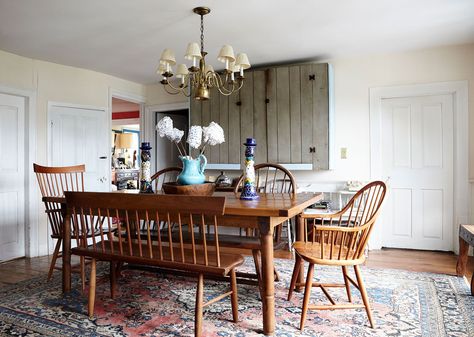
(239,103)
(312,77)
(267,100)
(51,123)
(312,149)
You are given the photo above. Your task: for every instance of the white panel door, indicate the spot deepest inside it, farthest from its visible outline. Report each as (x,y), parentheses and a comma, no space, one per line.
(12,177)
(81,136)
(417,155)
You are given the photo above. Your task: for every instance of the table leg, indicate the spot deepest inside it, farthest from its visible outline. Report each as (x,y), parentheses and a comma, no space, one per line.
(462,258)
(66,254)
(299,235)
(268,279)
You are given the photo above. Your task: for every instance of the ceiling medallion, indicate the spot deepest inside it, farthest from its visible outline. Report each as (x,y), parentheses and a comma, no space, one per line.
(201,77)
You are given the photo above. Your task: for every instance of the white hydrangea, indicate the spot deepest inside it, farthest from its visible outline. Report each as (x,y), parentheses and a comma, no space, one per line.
(195,136)
(175,135)
(213,134)
(165,126)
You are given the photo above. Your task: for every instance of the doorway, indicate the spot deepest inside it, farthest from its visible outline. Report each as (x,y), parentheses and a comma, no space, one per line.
(125,139)
(166,153)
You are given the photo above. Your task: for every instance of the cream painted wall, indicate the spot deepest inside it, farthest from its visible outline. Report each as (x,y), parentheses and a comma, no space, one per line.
(353,79)
(59,83)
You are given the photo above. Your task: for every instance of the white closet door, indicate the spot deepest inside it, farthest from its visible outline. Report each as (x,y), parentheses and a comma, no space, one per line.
(417,155)
(81,136)
(12,177)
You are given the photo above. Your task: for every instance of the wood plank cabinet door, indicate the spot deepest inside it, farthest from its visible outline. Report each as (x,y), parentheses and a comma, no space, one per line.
(320,116)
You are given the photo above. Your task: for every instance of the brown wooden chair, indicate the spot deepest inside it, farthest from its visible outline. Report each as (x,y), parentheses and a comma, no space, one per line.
(53,182)
(269,178)
(166,175)
(201,256)
(338,239)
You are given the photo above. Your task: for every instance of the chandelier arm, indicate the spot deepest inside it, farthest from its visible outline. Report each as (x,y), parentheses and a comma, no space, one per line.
(222,87)
(165,86)
(180,88)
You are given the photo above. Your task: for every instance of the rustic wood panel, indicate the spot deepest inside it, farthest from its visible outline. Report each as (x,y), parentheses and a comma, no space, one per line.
(306,98)
(259,116)
(283,114)
(295,115)
(205,120)
(246,112)
(321,117)
(272,120)
(224,122)
(234,129)
(215,117)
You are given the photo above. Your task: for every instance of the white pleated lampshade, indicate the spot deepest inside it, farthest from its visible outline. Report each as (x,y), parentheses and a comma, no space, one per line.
(161,69)
(193,50)
(242,61)
(181,71)
(167,56)
(233,67)
(226,53)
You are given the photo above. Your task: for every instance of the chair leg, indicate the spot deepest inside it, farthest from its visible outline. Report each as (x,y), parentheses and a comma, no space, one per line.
(234,299)
(199,306)
(256,259)
(83,273)
(365,298)
(92,284)
(294,277)
(113,279)
(346,282)
(290,240)
(55,257)
(307,294)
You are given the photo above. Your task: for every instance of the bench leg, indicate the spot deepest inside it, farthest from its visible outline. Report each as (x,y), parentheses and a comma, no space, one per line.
(199,306)
(462,258)
(234,300)
(92,284)
(472,285)
(113,278)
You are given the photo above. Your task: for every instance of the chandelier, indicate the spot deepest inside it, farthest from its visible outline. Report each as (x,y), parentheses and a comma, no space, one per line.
(201,77)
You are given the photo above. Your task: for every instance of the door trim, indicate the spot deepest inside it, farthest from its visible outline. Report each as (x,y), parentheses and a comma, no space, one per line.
(31,189)
(459,90)
(148,122)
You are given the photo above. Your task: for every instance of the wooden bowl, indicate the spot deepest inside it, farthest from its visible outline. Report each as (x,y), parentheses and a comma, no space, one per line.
(206,189)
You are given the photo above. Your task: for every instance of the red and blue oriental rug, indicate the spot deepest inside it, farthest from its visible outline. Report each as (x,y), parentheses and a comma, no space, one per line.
(155,304)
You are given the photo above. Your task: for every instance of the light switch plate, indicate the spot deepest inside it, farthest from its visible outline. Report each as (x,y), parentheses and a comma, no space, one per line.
(343,152)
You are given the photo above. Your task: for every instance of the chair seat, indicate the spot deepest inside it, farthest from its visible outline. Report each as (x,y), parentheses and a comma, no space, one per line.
(340,256)
(110,251)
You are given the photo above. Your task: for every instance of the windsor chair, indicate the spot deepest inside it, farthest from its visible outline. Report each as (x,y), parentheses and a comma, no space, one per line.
(166,175)
(338,239)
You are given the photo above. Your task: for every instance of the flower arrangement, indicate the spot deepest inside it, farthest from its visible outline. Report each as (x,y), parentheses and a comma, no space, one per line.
(198,137)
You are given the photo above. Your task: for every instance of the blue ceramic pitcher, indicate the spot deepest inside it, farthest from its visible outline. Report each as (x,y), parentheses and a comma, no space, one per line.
(193,170)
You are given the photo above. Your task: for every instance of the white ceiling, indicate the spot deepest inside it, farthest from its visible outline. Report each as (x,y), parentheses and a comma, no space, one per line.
(125,38)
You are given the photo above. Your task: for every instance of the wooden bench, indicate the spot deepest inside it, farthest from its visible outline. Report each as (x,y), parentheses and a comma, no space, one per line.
(466,239)
(200,256)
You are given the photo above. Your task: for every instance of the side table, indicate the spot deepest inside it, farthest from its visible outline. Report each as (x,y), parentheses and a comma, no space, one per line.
(466,239)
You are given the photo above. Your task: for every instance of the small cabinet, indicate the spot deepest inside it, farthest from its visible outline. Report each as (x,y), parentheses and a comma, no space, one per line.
(286,109)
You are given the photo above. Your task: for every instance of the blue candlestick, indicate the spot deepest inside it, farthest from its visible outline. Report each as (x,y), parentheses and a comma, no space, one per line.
(248,190)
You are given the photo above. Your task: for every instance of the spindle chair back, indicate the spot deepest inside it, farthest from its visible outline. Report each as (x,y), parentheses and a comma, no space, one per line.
(166,175)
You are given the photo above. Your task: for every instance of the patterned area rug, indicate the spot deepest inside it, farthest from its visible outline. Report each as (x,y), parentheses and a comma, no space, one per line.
(155,304)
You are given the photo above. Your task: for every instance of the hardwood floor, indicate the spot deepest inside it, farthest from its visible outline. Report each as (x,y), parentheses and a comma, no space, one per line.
(414,260)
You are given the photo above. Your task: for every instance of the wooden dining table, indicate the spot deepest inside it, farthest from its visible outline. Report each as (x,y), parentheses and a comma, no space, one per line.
(264,214)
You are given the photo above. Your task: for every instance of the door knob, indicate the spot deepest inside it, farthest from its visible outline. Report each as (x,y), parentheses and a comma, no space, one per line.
(103,157)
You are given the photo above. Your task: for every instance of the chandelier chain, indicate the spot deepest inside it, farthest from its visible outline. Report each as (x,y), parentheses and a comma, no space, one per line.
(202,33)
